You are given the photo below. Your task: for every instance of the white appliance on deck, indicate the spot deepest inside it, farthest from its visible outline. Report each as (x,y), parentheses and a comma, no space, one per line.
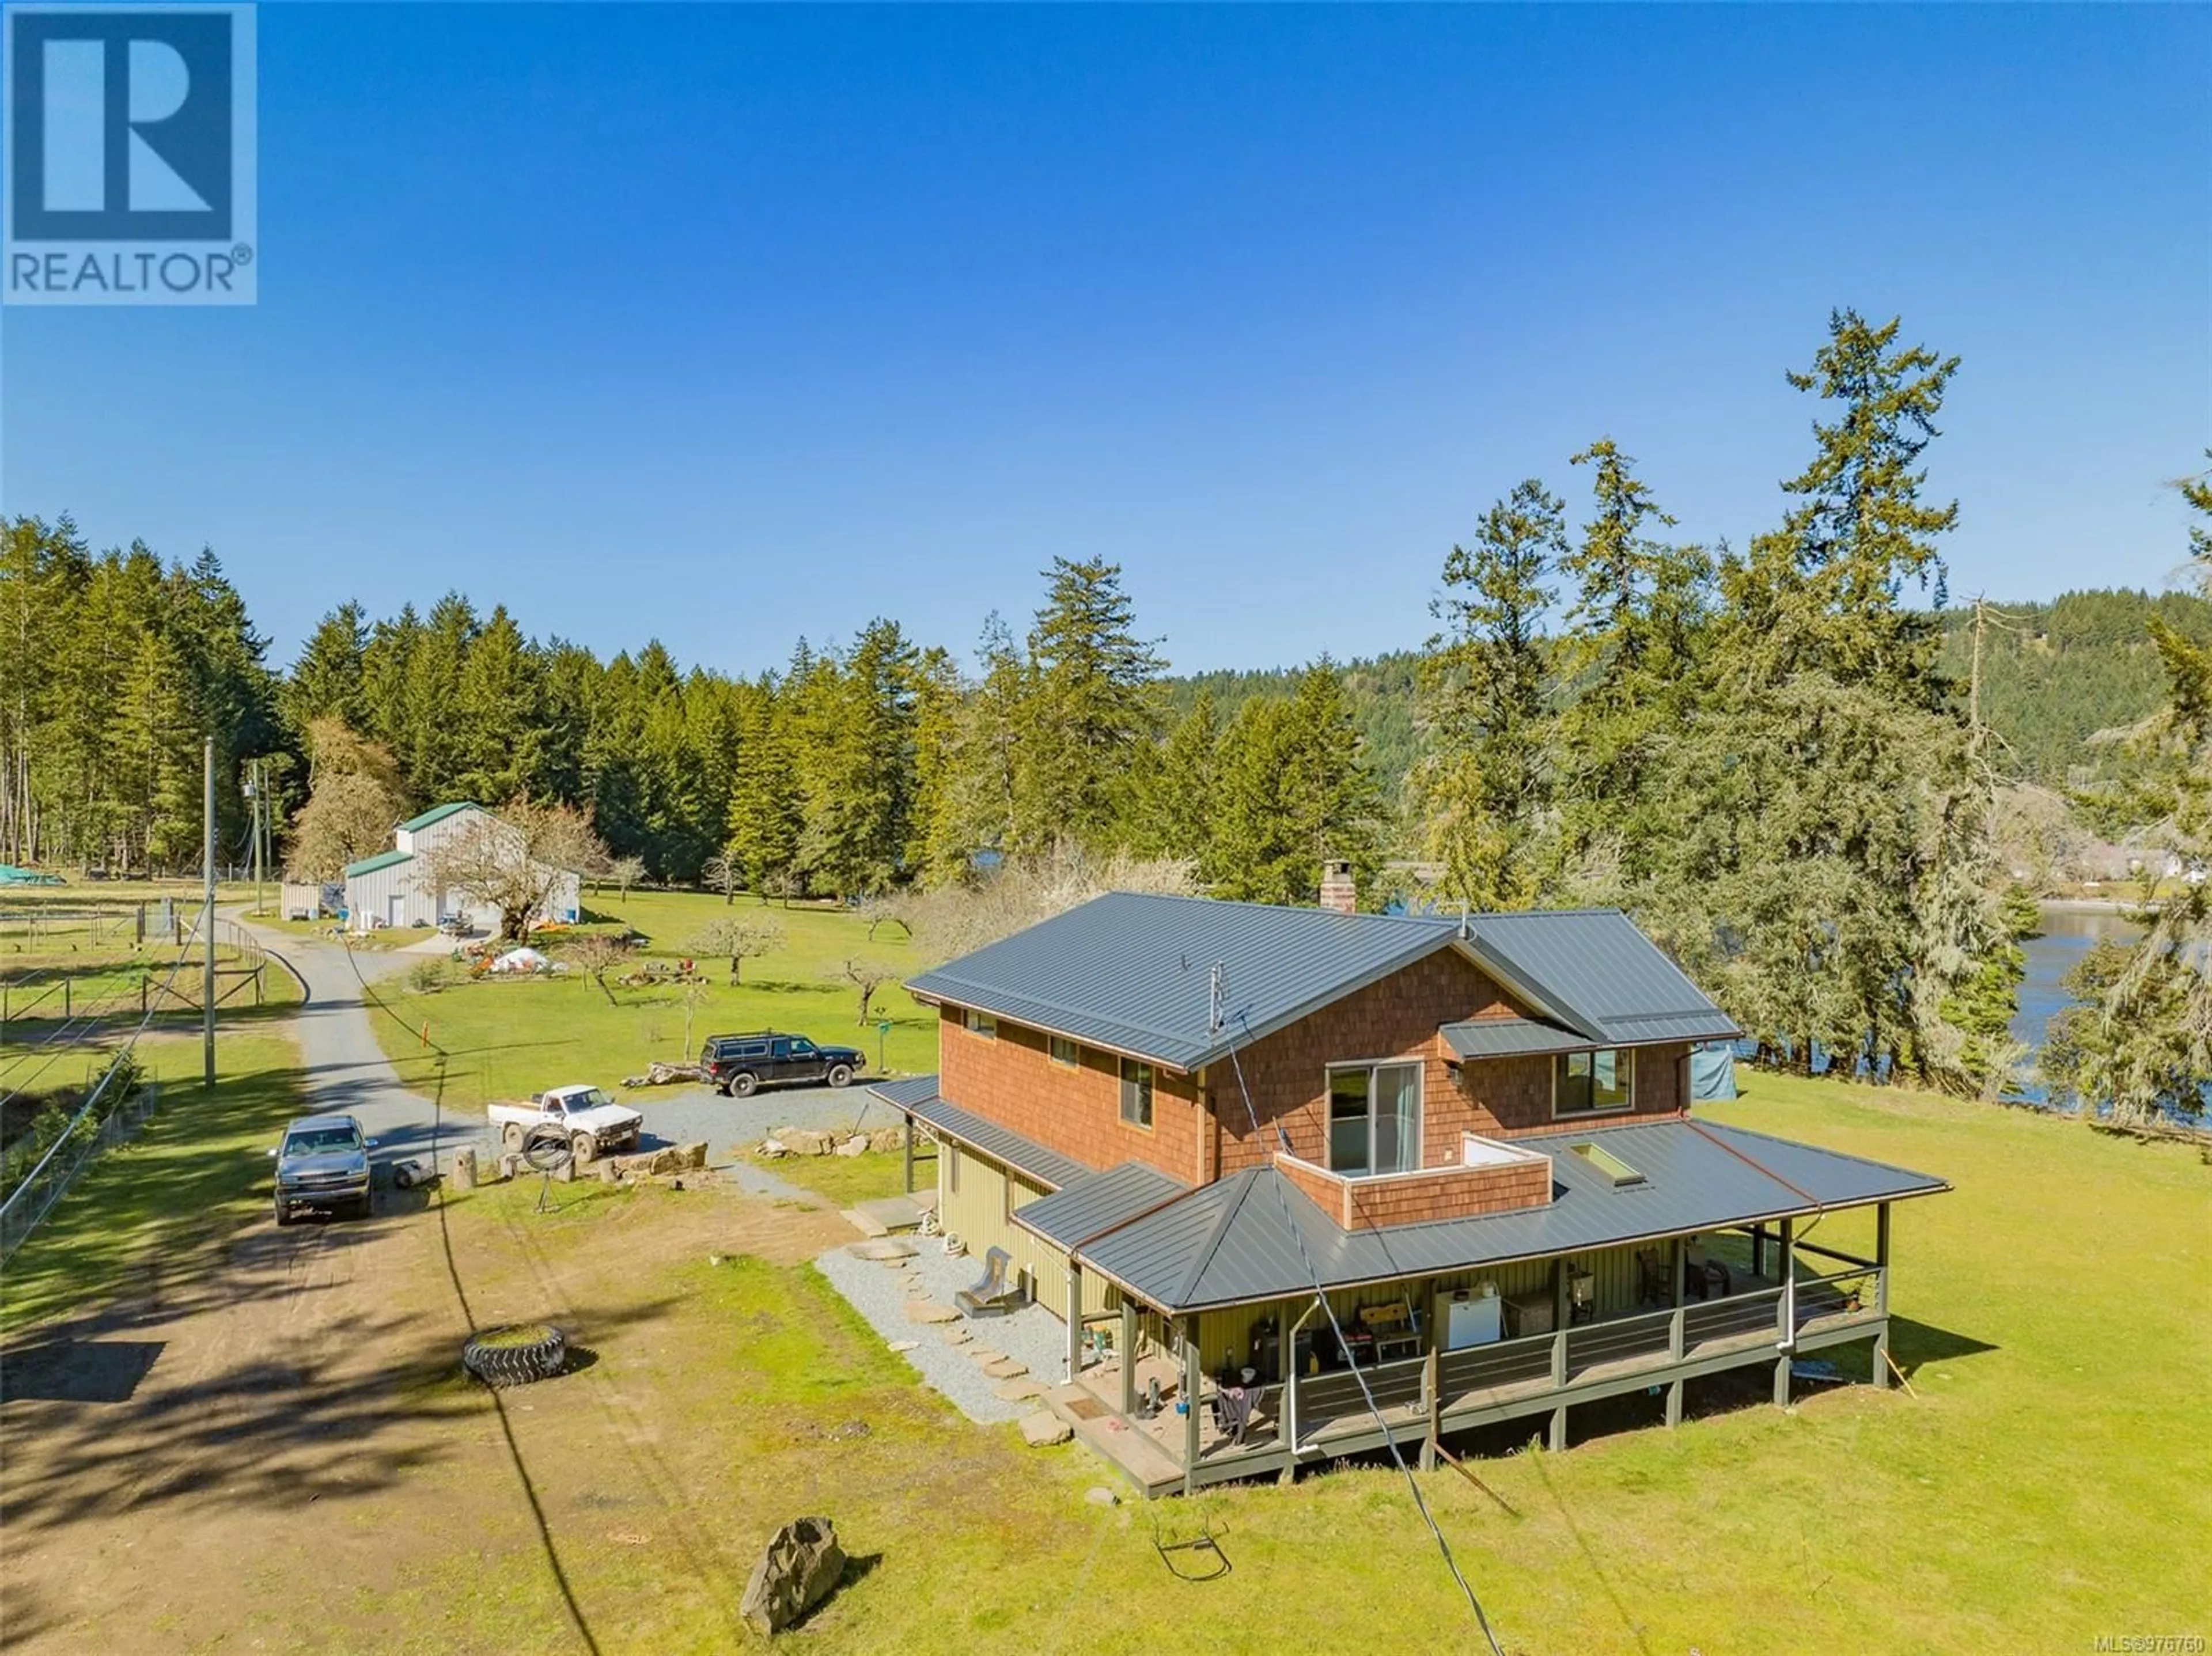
(1465,1316)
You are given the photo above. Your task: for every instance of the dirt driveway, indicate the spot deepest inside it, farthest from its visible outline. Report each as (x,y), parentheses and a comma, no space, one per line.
(266,1445)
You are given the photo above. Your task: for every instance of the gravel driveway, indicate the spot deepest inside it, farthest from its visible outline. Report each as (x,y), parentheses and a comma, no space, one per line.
(679,1115)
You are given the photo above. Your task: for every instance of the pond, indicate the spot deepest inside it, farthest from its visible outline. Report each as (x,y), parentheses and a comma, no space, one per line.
(2068,931)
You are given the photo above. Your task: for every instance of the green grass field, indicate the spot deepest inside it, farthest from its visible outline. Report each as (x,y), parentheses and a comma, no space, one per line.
(508,1039)
(189,1177)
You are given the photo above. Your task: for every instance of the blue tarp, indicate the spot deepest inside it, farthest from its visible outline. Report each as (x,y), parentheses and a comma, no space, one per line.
(1712,1073)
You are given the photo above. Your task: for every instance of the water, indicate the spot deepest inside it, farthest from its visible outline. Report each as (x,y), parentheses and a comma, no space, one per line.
(2068,934)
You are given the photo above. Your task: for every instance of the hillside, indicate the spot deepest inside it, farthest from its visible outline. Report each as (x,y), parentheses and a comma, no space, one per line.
(2054,675)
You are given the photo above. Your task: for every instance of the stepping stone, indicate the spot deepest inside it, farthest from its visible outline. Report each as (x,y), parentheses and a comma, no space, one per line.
(1018,1391)
(985,1355)
(1099,1496)
(904,1345)
(889,1249)
(1044,1429)
(930,1311)
(1006,1369)
(956,1335)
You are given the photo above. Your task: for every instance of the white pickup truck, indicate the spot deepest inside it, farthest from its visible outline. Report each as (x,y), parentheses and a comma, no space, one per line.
(595,1124)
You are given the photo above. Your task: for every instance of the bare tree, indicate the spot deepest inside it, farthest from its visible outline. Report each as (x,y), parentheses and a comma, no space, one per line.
(959,919)
(357,797)
(514,862)
(867,976)
(737,940)
(596,955)
(694,994)
(625,872)
(722,874)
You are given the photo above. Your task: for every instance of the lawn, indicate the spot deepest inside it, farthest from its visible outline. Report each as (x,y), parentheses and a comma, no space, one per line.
(508,1039)
(844,1180)
(194,1173)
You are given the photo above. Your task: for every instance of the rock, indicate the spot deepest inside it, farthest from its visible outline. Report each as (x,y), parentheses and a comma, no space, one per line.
(510,1167)
(566,1173)
(804,1141)
(1006,1369)
(798,1569)
(887,1138)
(888,1249)
(904,1345)
(772,1150)
(692,1155)
(465,1170)
(611,1173)
(1044,1429)
(956,1335)
(855,1145)
(1099,1496)
(664,1162)
(1018,1391)
(930,1311)
(983,1354)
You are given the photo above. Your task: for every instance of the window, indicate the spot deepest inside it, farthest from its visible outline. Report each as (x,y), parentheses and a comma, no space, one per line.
(981,1023)
(1136,1092)
(1065,1051)
(1374,1119)
(1591,1083)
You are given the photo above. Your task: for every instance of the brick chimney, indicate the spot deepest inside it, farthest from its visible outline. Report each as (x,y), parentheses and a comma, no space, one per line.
(1337,891)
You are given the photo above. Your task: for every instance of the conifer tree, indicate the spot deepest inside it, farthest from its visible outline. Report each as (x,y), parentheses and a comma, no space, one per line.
(1093,703)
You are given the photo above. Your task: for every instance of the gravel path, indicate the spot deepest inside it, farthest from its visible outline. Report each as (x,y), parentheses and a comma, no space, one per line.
(878,1291)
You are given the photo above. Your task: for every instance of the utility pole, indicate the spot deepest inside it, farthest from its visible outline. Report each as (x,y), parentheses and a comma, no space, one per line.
(254,825)
(207,913)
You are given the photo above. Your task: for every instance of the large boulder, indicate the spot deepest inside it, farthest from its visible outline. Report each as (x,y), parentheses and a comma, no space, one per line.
(798,1569)
(856,1145)
(887,1138)
(804,1141)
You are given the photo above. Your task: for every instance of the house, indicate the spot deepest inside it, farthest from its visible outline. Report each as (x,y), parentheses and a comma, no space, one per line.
(393,887)
(1178,1115)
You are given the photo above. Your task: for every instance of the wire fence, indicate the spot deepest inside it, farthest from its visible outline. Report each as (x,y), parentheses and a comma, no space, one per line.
(111,1112)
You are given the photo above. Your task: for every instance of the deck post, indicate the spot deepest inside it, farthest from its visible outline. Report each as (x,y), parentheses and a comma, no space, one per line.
(1190,1422)
(910,1156)
(1075,1320)
(1881,1375)
(1433,1394)
(1759,1250)
(1128,1357)
(1786,1343)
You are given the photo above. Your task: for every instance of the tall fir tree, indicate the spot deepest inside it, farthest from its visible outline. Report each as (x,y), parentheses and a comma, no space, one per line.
(1093,701)
(1486,780)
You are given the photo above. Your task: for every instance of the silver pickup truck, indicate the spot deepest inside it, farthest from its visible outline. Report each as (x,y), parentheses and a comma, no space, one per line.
(322,1165)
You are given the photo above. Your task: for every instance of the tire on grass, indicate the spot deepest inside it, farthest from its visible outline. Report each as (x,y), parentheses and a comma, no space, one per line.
(516,1354)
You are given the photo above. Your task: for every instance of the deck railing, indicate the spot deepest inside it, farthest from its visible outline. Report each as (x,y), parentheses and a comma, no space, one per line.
(1315,1401)
(1488,1367)
(1622,1339)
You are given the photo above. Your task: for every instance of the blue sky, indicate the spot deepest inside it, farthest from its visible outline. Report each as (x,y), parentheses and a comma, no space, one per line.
(723,325)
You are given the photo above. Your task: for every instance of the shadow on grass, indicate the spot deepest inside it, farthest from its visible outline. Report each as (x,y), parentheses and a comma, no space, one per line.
(1915,1345)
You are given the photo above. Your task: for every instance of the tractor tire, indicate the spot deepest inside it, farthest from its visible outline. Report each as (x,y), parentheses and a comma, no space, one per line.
(840,1075)
(510,1138)
(743,1083)
(517,1355)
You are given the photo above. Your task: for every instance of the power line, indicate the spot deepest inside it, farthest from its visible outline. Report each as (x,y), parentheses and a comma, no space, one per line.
(1320,1298)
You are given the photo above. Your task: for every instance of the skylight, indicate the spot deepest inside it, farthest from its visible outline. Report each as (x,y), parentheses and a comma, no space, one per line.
(1605,1161)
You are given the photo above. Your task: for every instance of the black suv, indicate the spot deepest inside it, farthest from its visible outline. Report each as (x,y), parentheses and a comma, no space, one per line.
(736,1065)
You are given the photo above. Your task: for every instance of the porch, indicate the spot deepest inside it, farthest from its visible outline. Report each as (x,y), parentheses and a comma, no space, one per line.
(1766,1318)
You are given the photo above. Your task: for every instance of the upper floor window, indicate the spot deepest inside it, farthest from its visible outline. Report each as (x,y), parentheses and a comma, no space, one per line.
(1136,1092)
(980,1023)
(1065,1051)
(1374,1119)
(1591,1083)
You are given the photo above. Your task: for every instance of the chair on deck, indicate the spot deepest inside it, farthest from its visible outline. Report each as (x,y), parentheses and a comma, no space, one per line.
(993,1297)
(1652,1286)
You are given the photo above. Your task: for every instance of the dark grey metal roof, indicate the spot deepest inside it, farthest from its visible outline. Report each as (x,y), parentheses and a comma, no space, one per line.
(1597,974)
(1130,972)
(1510,1038)
(1025,1156)
(1238,1239)
(1098,1202)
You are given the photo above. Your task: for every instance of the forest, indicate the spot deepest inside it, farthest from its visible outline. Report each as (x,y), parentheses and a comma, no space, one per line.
(1784,760)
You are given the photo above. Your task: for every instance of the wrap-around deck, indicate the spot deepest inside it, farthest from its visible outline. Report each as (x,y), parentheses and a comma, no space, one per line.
(1308,1419)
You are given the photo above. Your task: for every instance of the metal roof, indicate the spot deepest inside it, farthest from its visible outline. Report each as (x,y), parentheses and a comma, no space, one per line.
(1599,975)
(1239,1239)
(382,859)
(1098,1202)
(1131,973)
(436,814)
(1511,1037)
(1003,1145)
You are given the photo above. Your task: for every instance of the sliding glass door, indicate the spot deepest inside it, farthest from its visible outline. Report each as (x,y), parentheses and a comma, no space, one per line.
(1374,1119)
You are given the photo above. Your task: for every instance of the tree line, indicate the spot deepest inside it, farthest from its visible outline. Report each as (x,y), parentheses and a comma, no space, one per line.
(1767,754)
